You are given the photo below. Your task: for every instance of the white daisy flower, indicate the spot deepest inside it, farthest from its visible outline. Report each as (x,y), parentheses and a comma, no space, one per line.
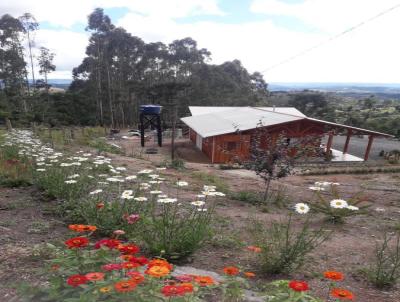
(161,168)
(147,171)
(182,183)
(140,198)
(353,208)
(316,188)
(96,192)
(127,194)
(167,200)
(120,168)
(40,170)
(155,192)
(70,181)
(339,204)
(198,203)
(302,208)
(130,177)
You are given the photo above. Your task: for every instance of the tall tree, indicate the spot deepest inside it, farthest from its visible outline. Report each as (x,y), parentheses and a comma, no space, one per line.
(30,25)
(12,63)
(45,61)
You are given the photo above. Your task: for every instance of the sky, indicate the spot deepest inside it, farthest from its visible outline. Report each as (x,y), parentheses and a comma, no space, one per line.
(259,33)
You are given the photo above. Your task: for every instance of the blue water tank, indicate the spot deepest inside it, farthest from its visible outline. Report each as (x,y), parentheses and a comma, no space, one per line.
(150,109)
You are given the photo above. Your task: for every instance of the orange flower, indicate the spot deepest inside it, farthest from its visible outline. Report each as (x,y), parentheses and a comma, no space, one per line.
(333,275)
(231,270)
(204,280)
(77,242)
(130,265)
(254,249)
(160,262)
(82,228)
(187,286)
(105,289)
(100,205)
(342,294)
(94,276)
(125,286)
(135,277)
(157,271)
(249,274)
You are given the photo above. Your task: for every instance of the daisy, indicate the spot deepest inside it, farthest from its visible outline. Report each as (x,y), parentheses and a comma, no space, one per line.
(155,192)
(198,203)
(96,192)
(167,200)
(339,204)
(353,208)
(130,177)
(140,198)
(148,171)
(70,181)
(302,208)
(316,188)
(182,183)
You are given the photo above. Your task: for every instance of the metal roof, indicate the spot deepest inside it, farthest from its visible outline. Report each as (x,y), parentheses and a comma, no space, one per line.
(211,121)
(197,110)
(236,119)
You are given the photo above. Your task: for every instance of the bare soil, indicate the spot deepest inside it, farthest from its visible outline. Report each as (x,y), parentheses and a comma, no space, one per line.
(349,250)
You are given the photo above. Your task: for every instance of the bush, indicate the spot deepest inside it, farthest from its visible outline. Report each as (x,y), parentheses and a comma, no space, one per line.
(111,270)
(385,271)
(282,248)
(247,196)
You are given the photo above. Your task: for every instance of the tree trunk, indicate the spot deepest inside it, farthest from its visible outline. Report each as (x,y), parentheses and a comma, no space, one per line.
(267,185)
(110,96)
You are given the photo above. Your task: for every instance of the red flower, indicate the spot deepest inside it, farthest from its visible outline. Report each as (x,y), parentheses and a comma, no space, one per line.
(129,249)
(112,267)
(140,260)
(299,286)
(76,280)
(110,243)
(231,270)
(95,276)
(172,290)
(333,275)
(77,242)
(342,294)
(125,286)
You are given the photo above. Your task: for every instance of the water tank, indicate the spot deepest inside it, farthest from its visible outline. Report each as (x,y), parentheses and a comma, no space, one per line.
(150,109)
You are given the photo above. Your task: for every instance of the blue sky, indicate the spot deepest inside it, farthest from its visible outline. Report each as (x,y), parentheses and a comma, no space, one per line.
(260,33)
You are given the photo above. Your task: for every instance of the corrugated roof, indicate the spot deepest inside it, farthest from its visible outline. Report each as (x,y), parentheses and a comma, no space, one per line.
(197,110)
(211,121)
(236,119)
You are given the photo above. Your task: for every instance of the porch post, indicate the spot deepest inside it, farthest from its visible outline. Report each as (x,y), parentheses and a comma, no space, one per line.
(370,140)
(329,143)
(346,145)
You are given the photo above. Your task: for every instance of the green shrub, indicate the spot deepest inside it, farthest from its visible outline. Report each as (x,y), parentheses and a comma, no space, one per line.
(247,196)
(103,146)
(284,249)
(212,180)
(385,271)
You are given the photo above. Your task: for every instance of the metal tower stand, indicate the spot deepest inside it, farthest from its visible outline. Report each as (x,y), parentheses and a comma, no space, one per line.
(150,119)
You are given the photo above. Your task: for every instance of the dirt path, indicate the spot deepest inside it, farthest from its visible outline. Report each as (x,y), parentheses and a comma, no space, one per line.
(25,230)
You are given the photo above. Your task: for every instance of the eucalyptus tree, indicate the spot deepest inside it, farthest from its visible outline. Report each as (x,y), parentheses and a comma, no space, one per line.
(12,63)
(30,25)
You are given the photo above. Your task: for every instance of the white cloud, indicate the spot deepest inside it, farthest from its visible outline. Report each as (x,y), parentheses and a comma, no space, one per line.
(68,46)
(369,54)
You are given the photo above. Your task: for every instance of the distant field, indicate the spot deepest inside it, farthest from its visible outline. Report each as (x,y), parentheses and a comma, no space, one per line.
(358,145)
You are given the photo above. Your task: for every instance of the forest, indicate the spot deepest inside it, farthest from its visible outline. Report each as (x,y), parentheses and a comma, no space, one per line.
(119,73)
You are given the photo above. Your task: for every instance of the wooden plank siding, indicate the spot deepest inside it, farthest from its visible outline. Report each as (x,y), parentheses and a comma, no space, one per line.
(224,148)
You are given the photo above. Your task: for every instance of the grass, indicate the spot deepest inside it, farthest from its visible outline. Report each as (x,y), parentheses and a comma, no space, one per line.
(250,197)
(39,227)
(213,180)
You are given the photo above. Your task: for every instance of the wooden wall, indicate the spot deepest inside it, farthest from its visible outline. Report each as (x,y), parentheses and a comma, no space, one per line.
(227,147)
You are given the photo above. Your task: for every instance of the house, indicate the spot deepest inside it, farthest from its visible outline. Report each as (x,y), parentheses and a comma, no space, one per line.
(224,132)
